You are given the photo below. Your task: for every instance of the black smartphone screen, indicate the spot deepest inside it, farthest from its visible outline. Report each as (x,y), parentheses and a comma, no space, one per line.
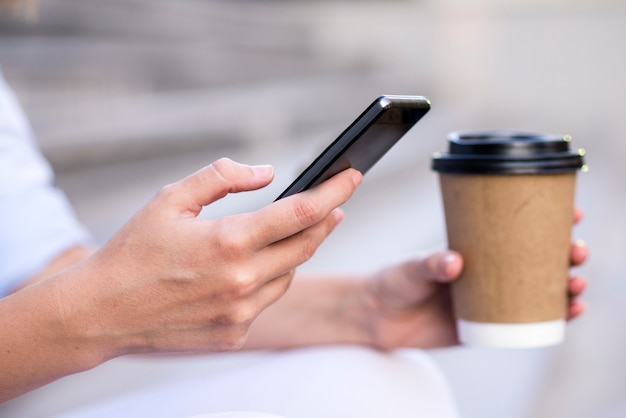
(365,141)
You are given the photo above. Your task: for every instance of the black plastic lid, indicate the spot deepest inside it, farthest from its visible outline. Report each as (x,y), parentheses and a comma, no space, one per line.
(507,152)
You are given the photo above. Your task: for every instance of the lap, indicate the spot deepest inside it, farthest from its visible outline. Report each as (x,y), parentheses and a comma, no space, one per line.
(314,382)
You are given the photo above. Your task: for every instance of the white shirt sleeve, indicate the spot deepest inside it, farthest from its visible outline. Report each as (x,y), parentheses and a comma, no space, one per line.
(37,223)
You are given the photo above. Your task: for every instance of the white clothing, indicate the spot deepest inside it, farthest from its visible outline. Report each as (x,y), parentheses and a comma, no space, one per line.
(318,382)
(36,221)
(37,224)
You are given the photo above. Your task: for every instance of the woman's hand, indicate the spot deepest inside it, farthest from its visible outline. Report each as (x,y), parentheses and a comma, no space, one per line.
(169,281)
(411,304)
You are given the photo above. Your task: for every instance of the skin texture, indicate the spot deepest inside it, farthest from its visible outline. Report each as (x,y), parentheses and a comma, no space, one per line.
(169,282)
(403,305)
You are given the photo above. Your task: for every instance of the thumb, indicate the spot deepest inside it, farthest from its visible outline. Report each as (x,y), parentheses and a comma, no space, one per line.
(440,266)
(215,181)
(416,280)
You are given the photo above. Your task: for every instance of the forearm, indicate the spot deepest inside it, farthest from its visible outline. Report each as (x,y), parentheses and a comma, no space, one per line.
(36,347)
(40,341)
(315,311)
(66,259)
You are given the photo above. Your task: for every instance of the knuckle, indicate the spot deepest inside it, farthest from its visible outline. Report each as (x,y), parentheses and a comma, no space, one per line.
(237,343)
(307,211)
(234,339)
(224,166)
(243,283)
(239,339)
(167,192)
(220,173)
(243,315)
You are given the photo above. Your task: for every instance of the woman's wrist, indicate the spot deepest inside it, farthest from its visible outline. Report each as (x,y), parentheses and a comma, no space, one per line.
(368,313)
(47,340)
(76,320)
(348,312)
(316,311)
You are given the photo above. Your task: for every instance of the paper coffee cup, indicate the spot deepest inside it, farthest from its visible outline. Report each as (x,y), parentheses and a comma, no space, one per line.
(509,199)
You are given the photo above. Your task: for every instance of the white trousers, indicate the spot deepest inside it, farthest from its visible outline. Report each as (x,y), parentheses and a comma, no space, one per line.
(322,382)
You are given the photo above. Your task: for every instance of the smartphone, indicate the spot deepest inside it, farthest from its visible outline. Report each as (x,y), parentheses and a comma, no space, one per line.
(365,141)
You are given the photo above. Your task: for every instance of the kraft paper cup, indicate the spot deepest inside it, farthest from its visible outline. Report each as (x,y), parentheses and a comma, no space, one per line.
(509,200)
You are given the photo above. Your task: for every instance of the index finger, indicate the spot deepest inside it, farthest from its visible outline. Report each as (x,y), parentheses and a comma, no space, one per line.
(290,215)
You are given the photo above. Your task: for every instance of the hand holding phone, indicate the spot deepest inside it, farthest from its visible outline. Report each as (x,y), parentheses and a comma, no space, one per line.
(365,141)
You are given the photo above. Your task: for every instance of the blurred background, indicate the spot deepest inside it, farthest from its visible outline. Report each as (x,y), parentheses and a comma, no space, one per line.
(126,96)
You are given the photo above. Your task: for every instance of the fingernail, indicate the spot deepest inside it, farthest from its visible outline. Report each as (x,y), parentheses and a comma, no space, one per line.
(580,243)
(357,177)
(263,171)
(339,216)
(447,265)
